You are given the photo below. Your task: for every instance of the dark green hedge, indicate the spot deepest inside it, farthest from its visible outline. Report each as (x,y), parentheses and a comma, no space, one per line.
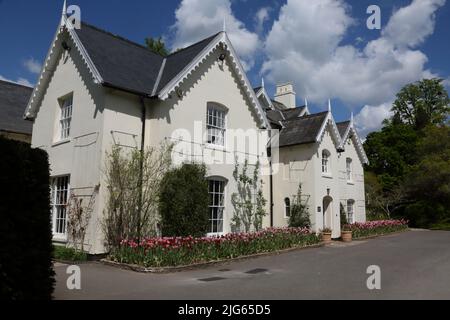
(184,202)
(25,231)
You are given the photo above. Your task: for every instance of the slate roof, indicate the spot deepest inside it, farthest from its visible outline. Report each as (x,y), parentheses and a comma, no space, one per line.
(13,101)
(302,130)
(278,105)
(178,60)
(132,67)
(342,127)
(285,114)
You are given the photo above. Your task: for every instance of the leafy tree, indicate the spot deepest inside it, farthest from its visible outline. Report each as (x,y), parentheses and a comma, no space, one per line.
(157,46)
(422,103)
(391,153)
(249,202)
(429,181)
(408,174)
(184,202)
(299,212)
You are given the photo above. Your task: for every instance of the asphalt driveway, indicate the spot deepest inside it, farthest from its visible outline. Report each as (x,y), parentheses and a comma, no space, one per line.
(414,265)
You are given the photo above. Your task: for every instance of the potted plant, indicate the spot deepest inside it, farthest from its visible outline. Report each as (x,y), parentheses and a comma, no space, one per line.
(326,235)
(346,233)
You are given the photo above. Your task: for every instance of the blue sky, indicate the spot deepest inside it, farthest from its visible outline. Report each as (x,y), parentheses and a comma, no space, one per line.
(322,46)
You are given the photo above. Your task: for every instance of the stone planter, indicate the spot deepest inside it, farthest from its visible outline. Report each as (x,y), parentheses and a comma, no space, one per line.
(346,236)
(326,237)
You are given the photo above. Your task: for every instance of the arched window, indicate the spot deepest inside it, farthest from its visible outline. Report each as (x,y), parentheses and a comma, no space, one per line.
(216,123)
(350,211)
(287,208)
(326,162)
(349,169)
(216,190)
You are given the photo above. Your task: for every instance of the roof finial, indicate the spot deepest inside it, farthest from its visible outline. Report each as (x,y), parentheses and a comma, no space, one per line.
(306,102)
(262,82)
(224,29)
(64,13)
(329,105)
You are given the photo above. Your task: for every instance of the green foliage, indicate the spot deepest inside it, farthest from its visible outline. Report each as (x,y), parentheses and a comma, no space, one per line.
(409,172)
(184,201)
(422,103)
(429,180)
(187,251)
(157,46)
(249,202)
(69,254)
(26,270)
(299,212)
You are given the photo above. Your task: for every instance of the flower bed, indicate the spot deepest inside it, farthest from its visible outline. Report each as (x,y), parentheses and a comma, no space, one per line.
(374,228)
(172,252)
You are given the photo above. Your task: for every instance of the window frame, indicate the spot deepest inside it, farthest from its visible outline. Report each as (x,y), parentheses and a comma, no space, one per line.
(221,206)
(65,116)
(287,206)
(217,131)
(56,187)
(349,169)
(326,163)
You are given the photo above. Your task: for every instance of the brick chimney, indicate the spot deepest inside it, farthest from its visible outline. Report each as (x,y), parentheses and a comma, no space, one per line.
(285,94)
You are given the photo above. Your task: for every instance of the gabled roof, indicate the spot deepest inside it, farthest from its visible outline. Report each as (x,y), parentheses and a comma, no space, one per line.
(279,105)
(119,63)
(13,99)
(343,127)
(177,61)
(302,130)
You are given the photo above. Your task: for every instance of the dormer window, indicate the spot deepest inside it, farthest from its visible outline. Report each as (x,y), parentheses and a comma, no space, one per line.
(65,117)
(216,124)
(326,162)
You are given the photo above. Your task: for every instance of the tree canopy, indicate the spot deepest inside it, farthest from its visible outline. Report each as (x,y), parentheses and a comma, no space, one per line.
(157,46)
(409,171)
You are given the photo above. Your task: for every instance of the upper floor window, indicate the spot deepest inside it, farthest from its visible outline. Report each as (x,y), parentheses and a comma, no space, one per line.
(287,208)
(59,201)
(350,211)
(216,124)
(348,164)
(216,205)
(326,162)
(65,117)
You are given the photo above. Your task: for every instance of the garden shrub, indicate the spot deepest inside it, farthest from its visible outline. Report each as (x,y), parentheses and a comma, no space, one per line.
(184,201)
(69,254)
(376,228)
(26,270)
(299,212)
(181,251)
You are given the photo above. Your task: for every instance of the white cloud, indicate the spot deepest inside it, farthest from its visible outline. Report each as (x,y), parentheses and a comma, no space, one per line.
(410,25)
(21,81)
(32,65)
(262,16)
(370,118)
(198,19)
(304,46)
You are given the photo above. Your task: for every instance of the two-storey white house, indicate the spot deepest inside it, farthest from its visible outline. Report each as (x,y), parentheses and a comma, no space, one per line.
(97,90)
